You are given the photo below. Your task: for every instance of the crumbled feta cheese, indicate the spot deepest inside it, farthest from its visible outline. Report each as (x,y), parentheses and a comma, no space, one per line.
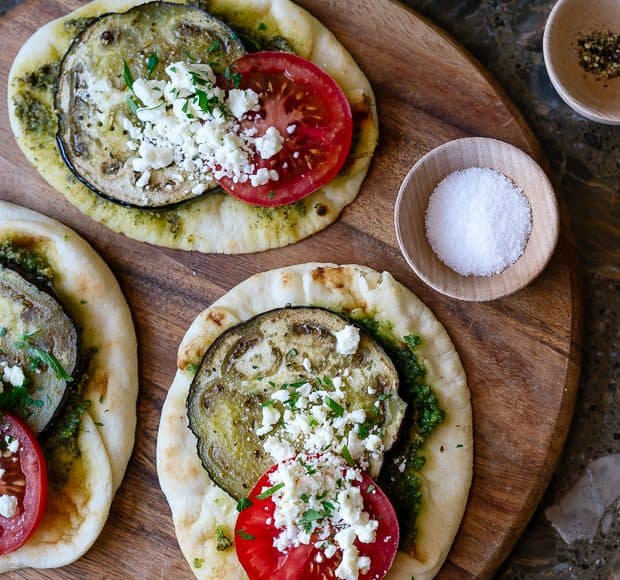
(260,178)
(185,121)
(271,416)
(8,506)
(270,143)
(14,375)
(143,179)
(307,365)
(12,444)
(242,101)
(291,129)
(308,483)
(347,339)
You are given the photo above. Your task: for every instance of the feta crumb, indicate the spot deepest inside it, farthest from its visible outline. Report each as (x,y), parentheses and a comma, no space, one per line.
(347,340)
(8,506)
(270,417)
(143,179)
(270,143)
(307,365)
(14,375)
(291,129)
(12,444)
(242,101)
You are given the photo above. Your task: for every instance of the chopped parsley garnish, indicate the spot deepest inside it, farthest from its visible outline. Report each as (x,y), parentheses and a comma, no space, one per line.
(335,407)
(197,79)
(51,361)
(198,562)
(151,63)
(243,504)
(127,76)
(384,396)
(262,26)
(347,455)
(291,353)
(215,46)
(460,445)
(310,516)
(267,403)
(132,104)
(269,492)
(328,506)
(83,301)
(3,331)
(234,77)
(292,401)
(309,469)
(244,535)
(370,488)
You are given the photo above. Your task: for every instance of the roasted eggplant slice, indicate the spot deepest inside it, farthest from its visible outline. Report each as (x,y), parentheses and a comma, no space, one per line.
(284,348)
(38,337)
(92,93)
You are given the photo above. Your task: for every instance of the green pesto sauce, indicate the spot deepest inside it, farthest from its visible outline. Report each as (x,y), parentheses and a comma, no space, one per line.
(74,26)
(423,414)
(26,260)
(222,539)
(60,440)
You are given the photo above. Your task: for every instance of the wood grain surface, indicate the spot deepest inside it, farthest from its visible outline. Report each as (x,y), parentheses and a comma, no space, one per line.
(520,352)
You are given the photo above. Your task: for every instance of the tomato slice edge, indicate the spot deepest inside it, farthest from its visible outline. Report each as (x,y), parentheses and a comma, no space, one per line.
(15,531)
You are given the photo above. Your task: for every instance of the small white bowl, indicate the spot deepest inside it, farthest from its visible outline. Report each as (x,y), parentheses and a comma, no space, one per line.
(412,201)
(596,100)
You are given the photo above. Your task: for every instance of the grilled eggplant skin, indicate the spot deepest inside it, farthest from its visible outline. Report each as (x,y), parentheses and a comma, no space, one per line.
(248,362)
(90,129)
(33,321)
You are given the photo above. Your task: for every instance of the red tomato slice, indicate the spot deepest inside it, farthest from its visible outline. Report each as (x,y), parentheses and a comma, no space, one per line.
(261,561)
(293,92)
(25,477)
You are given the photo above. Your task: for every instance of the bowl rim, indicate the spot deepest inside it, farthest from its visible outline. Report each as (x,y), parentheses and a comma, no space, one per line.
(580,107)
(500,293)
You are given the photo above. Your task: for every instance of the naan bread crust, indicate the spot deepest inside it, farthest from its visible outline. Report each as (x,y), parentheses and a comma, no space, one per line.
(216,222)
(91,295)
(198,505)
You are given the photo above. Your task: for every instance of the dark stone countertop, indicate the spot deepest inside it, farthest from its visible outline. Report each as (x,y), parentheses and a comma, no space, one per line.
(506,37)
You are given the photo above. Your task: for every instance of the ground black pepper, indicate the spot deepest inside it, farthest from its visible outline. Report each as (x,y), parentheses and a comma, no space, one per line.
(599,54)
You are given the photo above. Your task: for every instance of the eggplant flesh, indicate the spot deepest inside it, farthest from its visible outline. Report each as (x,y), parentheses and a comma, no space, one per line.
(248,362)
(34,327)
(91,97)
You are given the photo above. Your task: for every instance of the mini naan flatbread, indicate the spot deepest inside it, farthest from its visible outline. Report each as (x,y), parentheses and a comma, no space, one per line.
(215,222)
(198,505)
(90,294)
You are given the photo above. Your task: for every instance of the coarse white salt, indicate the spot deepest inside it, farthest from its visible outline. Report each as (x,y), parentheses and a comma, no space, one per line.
(478,221)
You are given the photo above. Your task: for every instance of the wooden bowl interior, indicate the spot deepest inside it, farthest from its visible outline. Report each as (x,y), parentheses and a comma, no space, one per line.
(462,154)
(594,99)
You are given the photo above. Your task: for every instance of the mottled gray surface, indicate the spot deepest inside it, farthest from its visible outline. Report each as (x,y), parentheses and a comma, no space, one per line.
(506,36)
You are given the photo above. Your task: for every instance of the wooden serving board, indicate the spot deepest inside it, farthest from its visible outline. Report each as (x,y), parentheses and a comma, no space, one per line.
(520,353)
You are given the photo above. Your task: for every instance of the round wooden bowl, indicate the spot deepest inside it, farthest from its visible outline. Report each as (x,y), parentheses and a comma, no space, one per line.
(596,100)
(410,210)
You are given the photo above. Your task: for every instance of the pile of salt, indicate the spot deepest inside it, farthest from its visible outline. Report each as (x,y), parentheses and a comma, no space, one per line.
(478,221)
